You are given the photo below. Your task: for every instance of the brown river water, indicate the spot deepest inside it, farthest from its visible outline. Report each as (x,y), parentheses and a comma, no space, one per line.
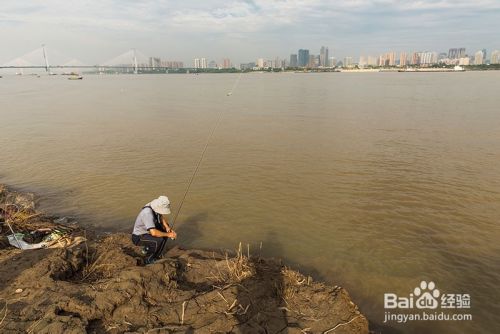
(373,181)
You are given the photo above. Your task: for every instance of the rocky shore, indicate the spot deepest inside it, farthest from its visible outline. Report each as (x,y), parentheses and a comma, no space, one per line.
(98,285)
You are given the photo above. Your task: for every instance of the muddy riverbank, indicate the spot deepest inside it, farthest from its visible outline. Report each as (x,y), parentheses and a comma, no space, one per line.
(99,285)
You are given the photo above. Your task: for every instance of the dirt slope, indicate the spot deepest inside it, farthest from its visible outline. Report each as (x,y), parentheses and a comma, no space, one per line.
(101,287)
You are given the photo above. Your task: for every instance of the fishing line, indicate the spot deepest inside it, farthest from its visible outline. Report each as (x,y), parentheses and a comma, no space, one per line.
(236,82)
(219,118)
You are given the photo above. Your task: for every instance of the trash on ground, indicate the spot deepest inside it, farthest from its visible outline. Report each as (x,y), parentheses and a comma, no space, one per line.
(44,238)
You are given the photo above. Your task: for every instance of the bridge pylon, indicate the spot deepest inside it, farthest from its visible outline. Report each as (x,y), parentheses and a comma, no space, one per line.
(135,63)
(45,57)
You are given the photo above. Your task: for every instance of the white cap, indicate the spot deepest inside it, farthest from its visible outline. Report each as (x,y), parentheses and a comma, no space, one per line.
(160,205)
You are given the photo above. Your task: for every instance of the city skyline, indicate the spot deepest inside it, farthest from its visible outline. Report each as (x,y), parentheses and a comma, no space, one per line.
(305,58)
(301,58)
(245,30)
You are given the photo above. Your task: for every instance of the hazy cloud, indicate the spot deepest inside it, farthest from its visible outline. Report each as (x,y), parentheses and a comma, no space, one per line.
(244,29)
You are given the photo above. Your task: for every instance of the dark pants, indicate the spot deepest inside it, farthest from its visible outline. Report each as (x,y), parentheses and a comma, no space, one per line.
(154,246)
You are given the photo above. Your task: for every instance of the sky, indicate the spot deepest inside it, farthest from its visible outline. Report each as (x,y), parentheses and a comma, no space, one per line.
(244,30)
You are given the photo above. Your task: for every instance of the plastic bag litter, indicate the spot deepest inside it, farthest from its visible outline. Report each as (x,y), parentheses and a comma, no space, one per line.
(16,240)
(19,239)
(55,239)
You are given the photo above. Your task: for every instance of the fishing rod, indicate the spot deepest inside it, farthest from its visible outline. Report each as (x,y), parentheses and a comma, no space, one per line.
(217,123)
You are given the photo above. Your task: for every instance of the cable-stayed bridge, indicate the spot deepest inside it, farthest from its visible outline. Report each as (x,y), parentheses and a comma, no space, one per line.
(132,60)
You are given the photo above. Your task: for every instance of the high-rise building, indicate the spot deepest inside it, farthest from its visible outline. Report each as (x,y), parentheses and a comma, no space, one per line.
(465,61)
(260,63)
(403,59)
(203,62)
(277,63)
(495,57)
(362,61)
(453,53)
(293,60)
(154,62)
(313,61)
(372,61)
(323,56)
(428,58)
(424,58)
(247,66)
(348,62)
(381,60)
(303,58)
(197,63)
(391,57)
(456,53)
(478,58)
(226,63)
(212,64)
(387,59)
(332,62)
(434,57)
(172,64)
(415,58)
(484,55)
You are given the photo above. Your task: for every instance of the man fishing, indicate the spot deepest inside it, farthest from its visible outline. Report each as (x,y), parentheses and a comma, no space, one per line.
(151,228)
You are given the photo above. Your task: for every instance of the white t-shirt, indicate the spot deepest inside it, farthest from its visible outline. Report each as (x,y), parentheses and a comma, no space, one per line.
(144,222)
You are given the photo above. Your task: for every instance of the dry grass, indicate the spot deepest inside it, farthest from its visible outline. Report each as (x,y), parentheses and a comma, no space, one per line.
(4,312)
(285,292)
(16,218)
(22,219)
(294,277)
(15,211)
(341,324)
(235,308)
(93,269)
(33,326)
(235,269)
(96,268)
(239,267)
(183,309)
(292,280)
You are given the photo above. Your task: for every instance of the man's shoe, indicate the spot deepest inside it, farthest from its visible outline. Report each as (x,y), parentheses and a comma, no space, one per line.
(144,250)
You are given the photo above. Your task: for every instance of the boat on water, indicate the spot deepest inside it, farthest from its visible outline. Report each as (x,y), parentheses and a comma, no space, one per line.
(433,69)
(75,77)
(360,70)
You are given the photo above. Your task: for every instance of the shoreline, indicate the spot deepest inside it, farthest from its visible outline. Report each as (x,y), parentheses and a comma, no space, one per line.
(97,284)
(446,69)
